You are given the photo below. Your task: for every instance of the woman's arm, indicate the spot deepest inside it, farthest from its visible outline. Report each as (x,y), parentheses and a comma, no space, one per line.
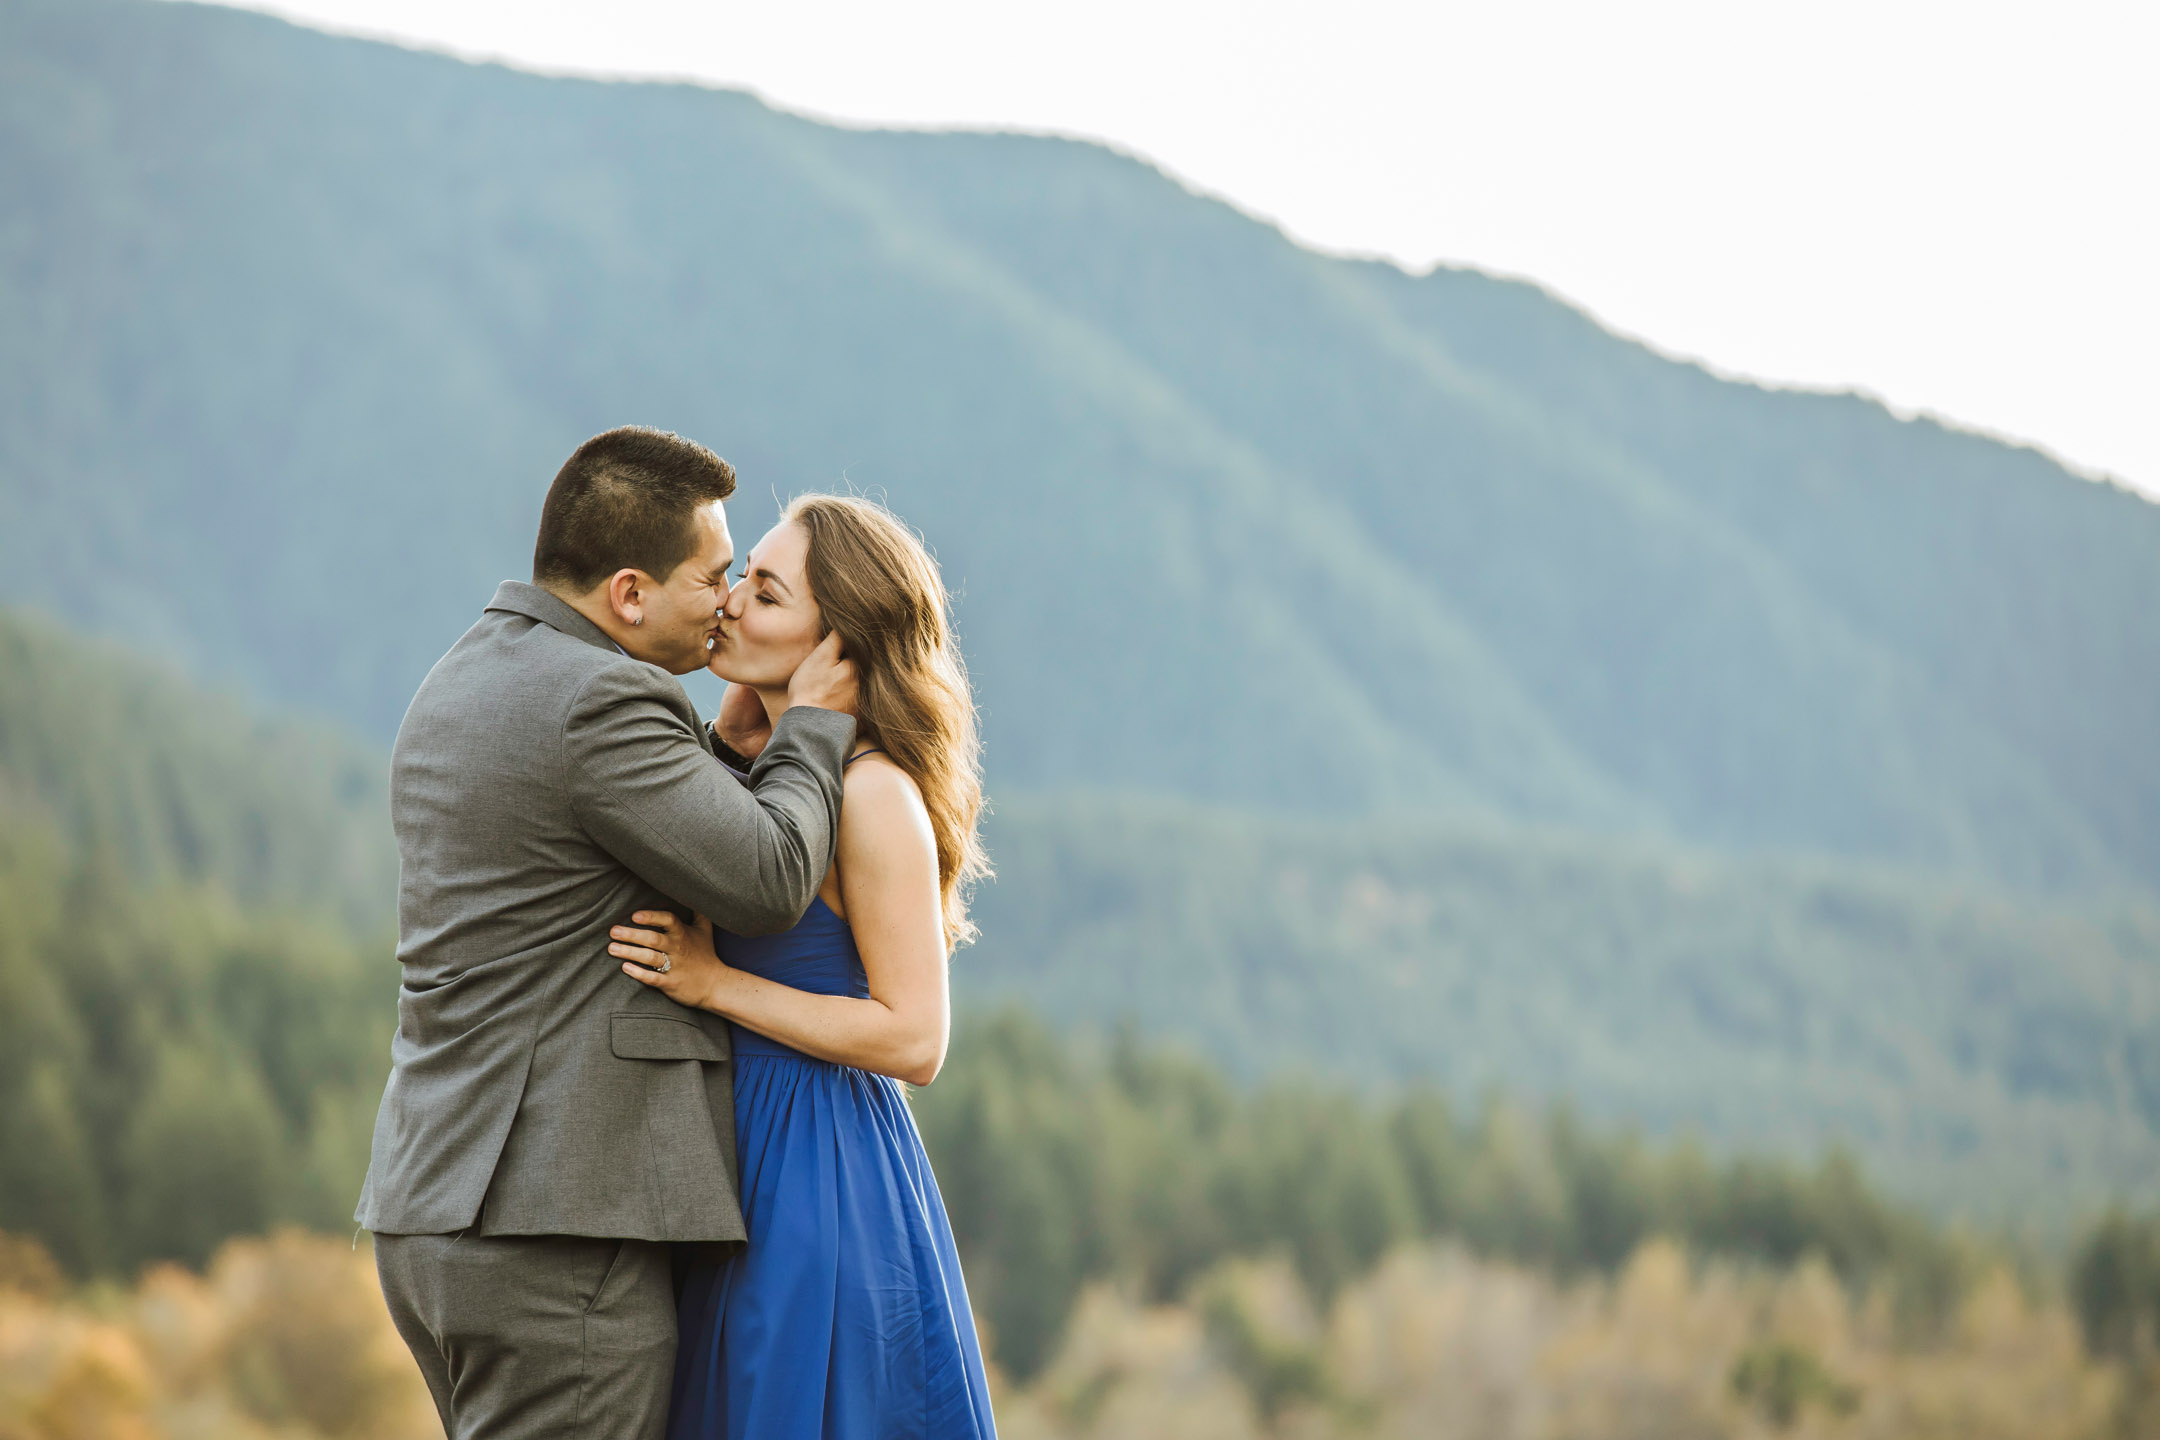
(889,892)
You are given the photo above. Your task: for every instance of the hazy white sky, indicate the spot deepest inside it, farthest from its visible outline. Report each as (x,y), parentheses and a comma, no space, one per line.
(1955,206)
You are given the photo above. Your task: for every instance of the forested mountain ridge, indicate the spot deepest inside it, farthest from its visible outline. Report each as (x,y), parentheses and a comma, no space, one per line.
(1856,569)
(132,767)
(197,985)
(293,330)
(1998,1058)
(184,1057)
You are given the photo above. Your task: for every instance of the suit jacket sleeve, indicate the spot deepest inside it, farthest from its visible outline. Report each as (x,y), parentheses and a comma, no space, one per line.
(647,789)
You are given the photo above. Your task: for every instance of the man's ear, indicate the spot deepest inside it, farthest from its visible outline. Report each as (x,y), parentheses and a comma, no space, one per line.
(626,591)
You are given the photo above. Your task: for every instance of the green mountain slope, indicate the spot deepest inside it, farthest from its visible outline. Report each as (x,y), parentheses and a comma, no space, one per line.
(196,988)
(1949,551)
(293,330)
(1714,590)
(1996,1058)
(131,768)
(196,991)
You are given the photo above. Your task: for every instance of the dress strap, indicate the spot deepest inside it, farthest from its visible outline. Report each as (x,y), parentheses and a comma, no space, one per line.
(873,750)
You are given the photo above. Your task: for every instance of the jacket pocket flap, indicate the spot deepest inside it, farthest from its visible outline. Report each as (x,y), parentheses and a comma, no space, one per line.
(662,1037)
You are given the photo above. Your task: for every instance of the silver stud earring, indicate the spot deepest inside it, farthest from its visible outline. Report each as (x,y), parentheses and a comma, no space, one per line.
(639,621)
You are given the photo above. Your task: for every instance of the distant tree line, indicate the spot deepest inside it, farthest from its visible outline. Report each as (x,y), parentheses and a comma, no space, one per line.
(1976,1044)
(196,988)
(1144,1164)
(175,1070)
(2115,1285)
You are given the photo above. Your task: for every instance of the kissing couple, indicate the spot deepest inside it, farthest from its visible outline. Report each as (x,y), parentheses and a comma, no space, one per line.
(645,1166)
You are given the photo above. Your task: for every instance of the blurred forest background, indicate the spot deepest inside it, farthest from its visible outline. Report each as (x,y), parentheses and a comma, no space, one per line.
(1578,897)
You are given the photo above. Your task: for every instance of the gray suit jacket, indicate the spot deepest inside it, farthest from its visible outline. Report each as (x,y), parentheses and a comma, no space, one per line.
(545,785)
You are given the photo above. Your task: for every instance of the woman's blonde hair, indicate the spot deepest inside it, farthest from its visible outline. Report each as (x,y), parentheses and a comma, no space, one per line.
(876,584)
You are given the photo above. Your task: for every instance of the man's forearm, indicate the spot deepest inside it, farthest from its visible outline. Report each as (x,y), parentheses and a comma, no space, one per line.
(645,791)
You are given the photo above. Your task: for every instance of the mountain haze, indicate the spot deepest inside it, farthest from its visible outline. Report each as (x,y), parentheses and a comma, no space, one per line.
(294,329)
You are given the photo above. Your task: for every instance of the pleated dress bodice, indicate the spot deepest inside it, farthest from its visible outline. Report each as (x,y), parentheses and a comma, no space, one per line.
(818,956)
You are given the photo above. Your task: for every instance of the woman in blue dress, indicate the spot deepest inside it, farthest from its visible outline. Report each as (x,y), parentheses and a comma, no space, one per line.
(845,1317)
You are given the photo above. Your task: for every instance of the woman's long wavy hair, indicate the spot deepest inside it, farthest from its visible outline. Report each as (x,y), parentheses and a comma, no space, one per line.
(876,584)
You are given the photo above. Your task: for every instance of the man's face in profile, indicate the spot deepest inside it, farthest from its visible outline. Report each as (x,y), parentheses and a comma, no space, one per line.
(680,611)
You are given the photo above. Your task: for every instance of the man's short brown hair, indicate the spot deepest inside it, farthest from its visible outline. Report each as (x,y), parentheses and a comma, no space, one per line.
(624,501)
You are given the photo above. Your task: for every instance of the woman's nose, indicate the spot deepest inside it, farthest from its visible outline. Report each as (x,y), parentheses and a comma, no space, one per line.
(728,607)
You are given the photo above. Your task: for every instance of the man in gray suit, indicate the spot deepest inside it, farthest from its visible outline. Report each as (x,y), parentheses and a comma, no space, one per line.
(552,1127)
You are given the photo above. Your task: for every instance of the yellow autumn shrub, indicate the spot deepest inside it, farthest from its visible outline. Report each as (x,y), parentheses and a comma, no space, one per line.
(286,1338)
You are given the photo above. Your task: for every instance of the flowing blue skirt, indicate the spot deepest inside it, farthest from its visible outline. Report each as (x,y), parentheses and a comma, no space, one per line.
(845,1317)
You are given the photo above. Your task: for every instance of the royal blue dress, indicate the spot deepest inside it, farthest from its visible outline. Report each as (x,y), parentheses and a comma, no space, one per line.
(845,1317)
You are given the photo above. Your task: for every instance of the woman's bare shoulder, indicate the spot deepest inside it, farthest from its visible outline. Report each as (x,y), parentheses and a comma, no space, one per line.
(878,794)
